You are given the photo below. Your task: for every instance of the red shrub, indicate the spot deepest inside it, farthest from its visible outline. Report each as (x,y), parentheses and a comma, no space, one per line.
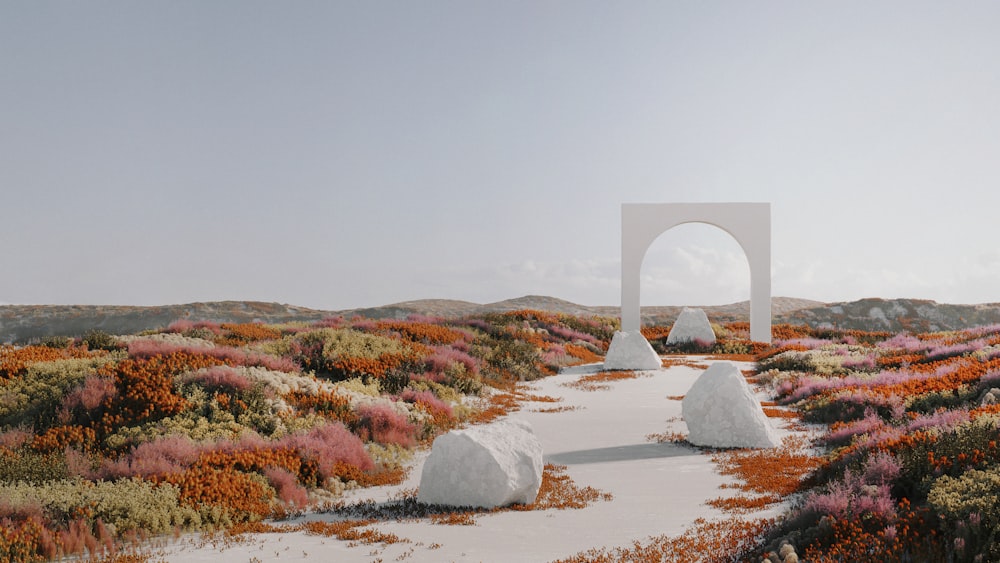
(14,438)
(330,445)
(221,377)
(440,410)
(94,391)
(287,487)
(163,456)
(382,424)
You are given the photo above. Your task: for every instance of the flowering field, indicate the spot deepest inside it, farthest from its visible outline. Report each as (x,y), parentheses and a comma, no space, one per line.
(106,441)
(911,465)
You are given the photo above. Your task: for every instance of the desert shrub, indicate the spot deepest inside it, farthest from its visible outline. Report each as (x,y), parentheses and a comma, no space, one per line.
(161,456)
(425,331)
(258,412)
(973,444)
(127,505)
(99,340)
(228,355)
(360,386)
(145,388)
(331,404)
(602,329)
(788,360)
(389,456)
(85,403)
(856,495)
(944,399)
(445,360)
(348,353)
(218,377)
(380,423)
(60,342)
(969,507)
(973,492)
(28,466)
(15,361)
(34,398)
(210,422)
(508,359)
(223,497)
(287,487)
(250,332)
(329,446)
(441,414)
(696,346)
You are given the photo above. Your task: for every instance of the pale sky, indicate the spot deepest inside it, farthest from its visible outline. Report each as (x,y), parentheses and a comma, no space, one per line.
(336,154)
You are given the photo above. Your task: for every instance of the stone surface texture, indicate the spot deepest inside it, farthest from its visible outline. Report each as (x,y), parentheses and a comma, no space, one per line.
(691,325)
(631,350)
(486,466)
(721,411)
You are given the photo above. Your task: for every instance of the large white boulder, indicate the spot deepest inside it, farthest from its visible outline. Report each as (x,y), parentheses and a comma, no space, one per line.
(721,411)
(691,325)
(483,466)
(631,350)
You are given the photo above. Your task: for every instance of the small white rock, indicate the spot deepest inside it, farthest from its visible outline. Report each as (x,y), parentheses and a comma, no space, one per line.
(631,350)
(691,325)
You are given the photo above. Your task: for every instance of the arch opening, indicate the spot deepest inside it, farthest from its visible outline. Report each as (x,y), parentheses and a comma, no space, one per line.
(694,264)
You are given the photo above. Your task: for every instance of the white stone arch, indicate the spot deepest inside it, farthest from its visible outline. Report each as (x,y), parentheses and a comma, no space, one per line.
(748,223)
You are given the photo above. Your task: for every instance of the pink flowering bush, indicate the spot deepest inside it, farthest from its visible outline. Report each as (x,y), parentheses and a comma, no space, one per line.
(287,487)
(220,377)
(163,456)
(380,423)
(230,355)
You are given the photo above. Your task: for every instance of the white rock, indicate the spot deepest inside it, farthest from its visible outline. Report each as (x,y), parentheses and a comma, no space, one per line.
(631,350)
(721,411)
(483,466)
(691,325)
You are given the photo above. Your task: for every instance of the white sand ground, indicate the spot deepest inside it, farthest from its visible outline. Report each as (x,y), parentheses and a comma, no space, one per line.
(658,488)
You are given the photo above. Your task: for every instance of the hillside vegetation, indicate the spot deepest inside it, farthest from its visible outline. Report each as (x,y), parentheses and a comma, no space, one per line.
(202,426)
(107,440)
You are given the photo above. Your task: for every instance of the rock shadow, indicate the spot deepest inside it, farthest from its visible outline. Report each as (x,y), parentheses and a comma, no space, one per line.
(631,452)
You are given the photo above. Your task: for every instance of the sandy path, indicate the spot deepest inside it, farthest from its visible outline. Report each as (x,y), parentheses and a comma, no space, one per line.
(657,488)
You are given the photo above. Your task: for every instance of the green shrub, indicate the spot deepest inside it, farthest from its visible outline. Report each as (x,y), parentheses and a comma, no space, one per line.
(348,343)
(508,358)
(131,504)
(34,398)
(969,509)
(28,466)
(99,340)
(60,342)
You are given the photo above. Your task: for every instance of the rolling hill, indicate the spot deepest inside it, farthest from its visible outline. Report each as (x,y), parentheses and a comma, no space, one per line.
(22,323)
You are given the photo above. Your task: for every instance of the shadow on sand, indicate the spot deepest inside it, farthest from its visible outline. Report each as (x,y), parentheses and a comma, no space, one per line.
(621,453)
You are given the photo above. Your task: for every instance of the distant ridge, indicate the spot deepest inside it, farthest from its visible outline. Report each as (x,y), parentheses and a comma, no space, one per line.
(22,323)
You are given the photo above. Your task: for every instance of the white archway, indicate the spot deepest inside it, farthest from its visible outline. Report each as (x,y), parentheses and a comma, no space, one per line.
(748,223)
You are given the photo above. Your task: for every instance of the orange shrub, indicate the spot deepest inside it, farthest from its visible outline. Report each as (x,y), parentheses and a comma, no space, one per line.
(250,332)
(146,388)
(426,333)
(328,403)
(60,437)
(655,332)
(244,497)
(583,353)
(378,368)
(15,361)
